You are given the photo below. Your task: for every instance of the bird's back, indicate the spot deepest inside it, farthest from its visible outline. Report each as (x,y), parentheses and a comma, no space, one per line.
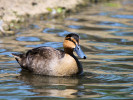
(40,60)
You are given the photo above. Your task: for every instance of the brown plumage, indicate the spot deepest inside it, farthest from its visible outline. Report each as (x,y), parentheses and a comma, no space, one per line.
(53,62)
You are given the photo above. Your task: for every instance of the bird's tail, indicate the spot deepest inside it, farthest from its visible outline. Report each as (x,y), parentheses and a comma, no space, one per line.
(18,57)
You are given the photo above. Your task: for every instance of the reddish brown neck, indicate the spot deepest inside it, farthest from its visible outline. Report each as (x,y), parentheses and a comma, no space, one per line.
(68,47)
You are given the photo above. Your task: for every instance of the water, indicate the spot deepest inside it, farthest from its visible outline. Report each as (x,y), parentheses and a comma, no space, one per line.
(106,32)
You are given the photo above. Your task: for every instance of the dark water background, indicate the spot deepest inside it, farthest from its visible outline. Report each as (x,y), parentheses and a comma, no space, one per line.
(106,32)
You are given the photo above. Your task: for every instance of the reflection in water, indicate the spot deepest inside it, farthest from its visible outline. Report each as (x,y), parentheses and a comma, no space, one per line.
(51,86)
(106,36)
(68,87)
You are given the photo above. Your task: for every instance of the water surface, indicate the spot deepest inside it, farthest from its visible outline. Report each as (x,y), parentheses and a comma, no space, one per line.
(106,32)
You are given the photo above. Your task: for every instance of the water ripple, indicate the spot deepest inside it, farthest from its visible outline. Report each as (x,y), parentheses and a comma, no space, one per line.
(123,16)
(91,28)
(113,24)
(112,41)
(49,44)
(60,32)
(23,38)
(123,33)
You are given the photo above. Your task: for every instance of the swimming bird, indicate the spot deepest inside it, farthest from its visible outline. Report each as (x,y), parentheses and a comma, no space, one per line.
(53,62)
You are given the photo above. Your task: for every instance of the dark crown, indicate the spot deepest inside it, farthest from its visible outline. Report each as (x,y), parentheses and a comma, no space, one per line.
(74,35)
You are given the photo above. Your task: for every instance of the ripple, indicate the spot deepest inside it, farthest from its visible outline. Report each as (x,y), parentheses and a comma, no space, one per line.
(63,33)
(113,24)
(109,77)
(90,28)
(2,50)
(123,33)
(7,53)
(77,20)
(83,36)
(122,67)
(123,60)
(118,68)
(49,44)
(73,19)
(116,16)
(8,62)
(23,38)
(123,16)
(33,26)
(120,60)
(114,52)
(16,90)
(112,41)
(60,32)
(104,13)
(77,27)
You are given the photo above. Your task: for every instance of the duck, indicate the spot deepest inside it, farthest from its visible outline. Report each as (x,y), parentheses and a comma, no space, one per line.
(53,62)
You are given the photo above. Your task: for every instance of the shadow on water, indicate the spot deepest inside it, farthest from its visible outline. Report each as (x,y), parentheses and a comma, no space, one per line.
(106,37)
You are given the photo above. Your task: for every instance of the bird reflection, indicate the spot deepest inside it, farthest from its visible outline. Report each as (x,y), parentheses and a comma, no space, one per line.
(51,86)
